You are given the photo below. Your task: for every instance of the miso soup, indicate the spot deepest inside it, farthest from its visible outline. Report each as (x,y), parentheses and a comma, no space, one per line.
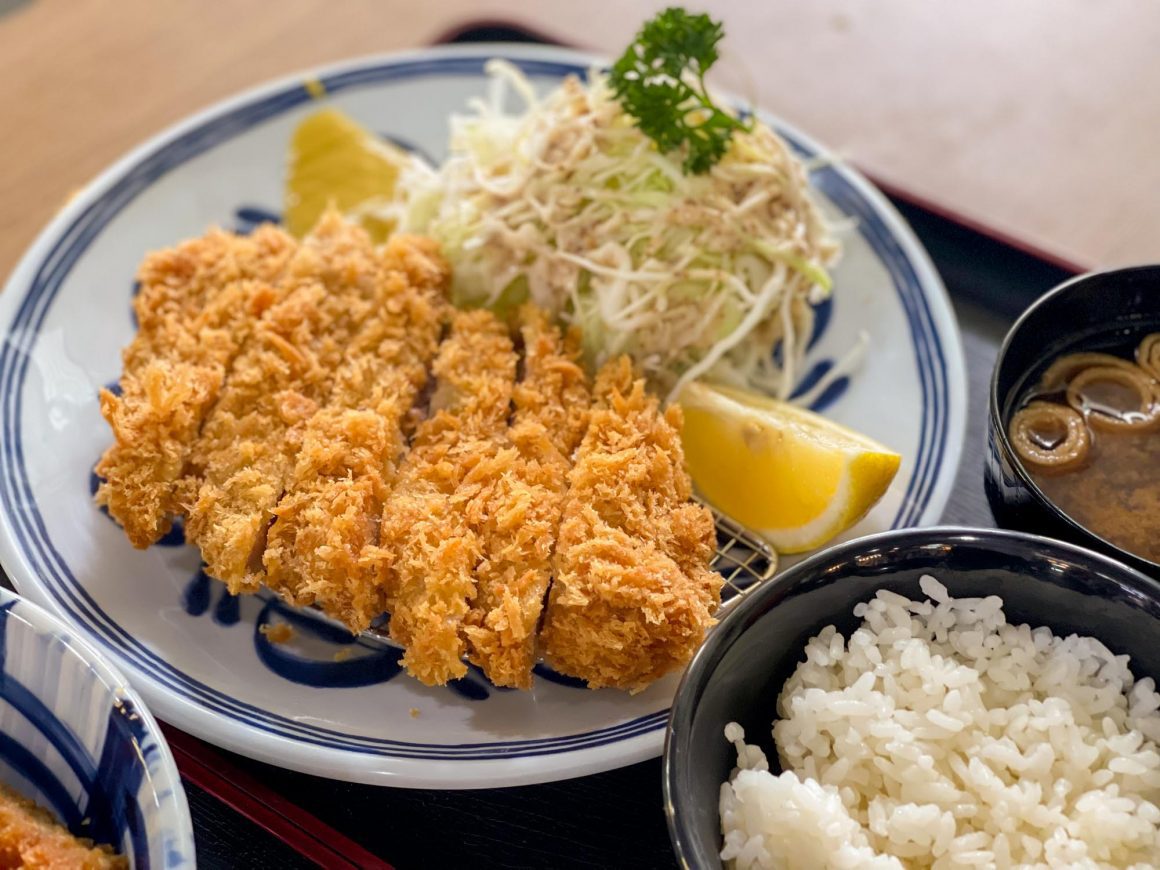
(1088,433)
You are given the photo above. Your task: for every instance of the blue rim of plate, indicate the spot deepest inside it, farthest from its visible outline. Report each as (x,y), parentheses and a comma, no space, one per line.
(27,525)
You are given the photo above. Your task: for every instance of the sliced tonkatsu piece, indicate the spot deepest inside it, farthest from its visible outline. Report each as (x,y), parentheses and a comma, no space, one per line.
(347,461)
(429,544)
(524,503)
(632,594)
(195,308)
(250,440)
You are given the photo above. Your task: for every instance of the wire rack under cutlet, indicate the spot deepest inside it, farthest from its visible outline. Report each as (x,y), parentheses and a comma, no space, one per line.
(741,558)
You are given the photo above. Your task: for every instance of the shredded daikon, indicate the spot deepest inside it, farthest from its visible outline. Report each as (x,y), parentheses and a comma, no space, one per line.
(567,204)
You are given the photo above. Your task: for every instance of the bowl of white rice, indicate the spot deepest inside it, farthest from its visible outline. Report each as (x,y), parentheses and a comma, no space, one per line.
(928,698)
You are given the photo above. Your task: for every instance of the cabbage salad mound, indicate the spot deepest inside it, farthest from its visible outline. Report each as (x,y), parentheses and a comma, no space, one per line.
(567,203)
(940,736)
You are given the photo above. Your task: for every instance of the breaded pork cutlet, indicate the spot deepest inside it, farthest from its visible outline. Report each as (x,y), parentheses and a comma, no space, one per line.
(195,307)
(632,594)
(525,495)
(429,541)
(284,373)
(275,397)
(31,837)
(350,448)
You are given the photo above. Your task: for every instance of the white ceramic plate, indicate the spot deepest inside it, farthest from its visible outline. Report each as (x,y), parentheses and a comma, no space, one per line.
(194,652)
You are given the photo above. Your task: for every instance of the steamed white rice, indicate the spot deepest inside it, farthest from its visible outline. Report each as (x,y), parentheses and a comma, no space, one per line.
(940,736)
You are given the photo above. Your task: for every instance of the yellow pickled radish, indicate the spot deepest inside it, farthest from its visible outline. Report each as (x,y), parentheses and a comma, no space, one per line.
(335,161)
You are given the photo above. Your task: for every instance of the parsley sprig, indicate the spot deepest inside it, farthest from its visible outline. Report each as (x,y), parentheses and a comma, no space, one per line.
(660,81)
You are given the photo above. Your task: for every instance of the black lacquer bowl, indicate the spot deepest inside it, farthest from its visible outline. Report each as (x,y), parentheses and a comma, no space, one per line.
(1085,313)
(738,672)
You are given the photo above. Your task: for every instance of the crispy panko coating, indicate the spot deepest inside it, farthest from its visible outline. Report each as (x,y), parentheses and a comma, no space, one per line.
(632,594)
(285,372)
(300,404)
(347,464)
(429,543)
(195,308)
(525,497)
(553,390)
(30,836)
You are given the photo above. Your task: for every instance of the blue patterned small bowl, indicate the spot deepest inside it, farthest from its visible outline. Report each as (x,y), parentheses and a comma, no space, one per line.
(77,740)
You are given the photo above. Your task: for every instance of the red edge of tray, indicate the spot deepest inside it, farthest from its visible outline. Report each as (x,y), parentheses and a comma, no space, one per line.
(976,226)
(308,835)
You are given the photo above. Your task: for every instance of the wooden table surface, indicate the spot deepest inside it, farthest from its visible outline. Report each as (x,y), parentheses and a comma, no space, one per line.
(1039,118)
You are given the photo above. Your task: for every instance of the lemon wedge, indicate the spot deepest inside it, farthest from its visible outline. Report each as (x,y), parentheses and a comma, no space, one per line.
(791,476)
(335,160)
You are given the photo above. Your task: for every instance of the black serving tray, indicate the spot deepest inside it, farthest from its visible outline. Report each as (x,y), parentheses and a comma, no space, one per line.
(251,814)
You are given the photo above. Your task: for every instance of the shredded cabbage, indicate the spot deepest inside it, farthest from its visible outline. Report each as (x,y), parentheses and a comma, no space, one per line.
(569,205)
